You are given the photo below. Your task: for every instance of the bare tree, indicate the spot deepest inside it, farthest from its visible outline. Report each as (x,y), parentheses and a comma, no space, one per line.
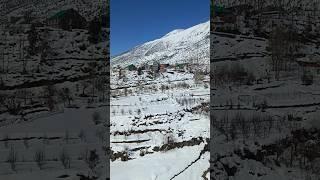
(49,94)
(66,136)
(12,158)
(65,95)
(26,141)
(40,158)
(82,135)
(100,133)
(277,45)
(6,140)
(12,104)
(85,85)
(93,160)
(65,158)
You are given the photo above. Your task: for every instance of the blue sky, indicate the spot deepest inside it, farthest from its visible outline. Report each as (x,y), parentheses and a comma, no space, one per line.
(134,22)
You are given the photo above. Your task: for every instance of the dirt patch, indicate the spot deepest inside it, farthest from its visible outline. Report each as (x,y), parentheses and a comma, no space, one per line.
(138,131)
(173,145)
(133,141)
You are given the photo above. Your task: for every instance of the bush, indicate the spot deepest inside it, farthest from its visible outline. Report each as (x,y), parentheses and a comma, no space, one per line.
(83,47)
(169,139)
(139,111)
(12,104)
(142,152)
(125,156)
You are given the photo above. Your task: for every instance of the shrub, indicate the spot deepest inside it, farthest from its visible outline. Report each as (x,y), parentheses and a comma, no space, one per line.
(139,111)
(142,152)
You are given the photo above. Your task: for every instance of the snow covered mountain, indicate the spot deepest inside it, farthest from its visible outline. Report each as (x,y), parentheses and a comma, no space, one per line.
(178,46)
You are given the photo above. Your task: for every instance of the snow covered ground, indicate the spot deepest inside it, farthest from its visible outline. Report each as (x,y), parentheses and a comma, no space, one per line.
(52,135)
(258,122)
(156,126)
(53,115)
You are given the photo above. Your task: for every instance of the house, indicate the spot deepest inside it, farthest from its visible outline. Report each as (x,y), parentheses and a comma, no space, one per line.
(163,67)
(67,19)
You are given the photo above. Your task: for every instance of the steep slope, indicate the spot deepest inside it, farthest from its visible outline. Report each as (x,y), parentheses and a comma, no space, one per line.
(178,46)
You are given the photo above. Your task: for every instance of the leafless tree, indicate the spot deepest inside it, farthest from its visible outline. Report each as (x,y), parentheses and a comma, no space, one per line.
(82,135)
(40,158)
(65,158)
(12,158)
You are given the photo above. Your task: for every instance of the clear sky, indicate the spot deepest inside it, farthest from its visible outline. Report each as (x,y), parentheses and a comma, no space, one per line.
(134,22)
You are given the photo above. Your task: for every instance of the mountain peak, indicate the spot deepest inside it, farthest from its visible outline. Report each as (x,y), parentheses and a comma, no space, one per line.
(178,46)
(173,32)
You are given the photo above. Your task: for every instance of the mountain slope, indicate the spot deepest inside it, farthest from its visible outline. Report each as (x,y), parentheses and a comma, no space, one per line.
(178,46)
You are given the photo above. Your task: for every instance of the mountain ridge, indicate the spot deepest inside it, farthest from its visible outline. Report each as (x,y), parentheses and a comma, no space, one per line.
(177,46)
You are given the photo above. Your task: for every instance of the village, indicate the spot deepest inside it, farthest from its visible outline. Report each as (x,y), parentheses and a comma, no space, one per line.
(157,67)
(159,113)
(160,107)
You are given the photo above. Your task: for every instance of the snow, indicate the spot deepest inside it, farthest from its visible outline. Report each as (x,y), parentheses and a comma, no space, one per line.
(36,127)
(159,166)
(177,46)
(152,115)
